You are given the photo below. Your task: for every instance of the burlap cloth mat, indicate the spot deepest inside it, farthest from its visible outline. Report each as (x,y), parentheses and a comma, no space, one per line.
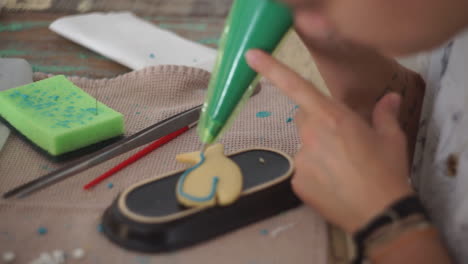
(145,97)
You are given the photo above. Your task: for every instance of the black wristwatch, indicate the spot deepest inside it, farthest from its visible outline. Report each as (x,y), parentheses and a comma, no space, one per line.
(401,209)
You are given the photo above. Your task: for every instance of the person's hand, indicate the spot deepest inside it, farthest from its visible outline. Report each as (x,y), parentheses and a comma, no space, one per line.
(355,74)
(359,76)
(348,169)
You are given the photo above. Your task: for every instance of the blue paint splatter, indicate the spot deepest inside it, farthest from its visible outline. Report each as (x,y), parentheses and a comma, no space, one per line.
(152,56)
(290,119)
(143,260)
(21,26)
(83,56)
(110,185)
(42,230)
(263,114)
(264,232)
(100,228)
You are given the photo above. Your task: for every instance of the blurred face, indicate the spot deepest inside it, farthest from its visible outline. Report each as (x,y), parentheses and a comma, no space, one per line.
(395,27)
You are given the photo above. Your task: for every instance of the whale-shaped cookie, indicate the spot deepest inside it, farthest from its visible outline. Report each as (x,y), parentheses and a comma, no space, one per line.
(213,179)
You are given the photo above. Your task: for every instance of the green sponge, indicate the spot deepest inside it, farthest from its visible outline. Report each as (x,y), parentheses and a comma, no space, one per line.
(58,116)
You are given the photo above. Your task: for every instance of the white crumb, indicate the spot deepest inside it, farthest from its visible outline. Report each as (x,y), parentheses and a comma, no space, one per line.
(275,232)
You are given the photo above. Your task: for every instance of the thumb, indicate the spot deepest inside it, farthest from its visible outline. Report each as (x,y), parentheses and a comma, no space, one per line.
(385,115)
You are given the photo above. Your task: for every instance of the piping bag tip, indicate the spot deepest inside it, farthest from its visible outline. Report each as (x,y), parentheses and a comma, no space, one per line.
(204,147)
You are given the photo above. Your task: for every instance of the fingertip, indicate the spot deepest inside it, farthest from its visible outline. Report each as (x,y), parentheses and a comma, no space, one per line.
(394,101)
(393,97)
(253,57)
(385,115)
(396,104)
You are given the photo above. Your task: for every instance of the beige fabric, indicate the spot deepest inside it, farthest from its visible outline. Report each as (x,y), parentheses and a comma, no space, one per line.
(295,55)
(145,97)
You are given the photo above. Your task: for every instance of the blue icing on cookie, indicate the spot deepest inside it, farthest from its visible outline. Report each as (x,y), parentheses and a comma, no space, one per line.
(191,197)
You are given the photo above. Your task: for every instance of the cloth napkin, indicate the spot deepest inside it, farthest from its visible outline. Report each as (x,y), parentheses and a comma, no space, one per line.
(132,41)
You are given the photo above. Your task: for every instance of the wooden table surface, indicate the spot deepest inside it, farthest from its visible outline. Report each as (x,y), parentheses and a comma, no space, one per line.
(26,35)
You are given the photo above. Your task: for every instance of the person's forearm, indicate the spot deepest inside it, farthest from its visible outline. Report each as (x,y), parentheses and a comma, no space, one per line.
(412,247)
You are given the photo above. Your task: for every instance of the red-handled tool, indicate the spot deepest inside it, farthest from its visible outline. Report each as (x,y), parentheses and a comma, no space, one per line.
(140,154)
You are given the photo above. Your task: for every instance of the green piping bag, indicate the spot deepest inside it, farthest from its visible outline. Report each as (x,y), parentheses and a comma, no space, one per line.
(259,24)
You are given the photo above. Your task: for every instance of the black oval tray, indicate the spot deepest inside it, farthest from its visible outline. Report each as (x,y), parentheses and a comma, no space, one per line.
(147,217)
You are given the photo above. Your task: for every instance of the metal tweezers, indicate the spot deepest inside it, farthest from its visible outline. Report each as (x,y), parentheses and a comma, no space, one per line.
(124,145)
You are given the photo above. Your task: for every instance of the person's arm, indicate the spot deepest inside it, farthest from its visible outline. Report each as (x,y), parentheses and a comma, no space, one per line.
(412,247)
(360,76)
(347,169)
